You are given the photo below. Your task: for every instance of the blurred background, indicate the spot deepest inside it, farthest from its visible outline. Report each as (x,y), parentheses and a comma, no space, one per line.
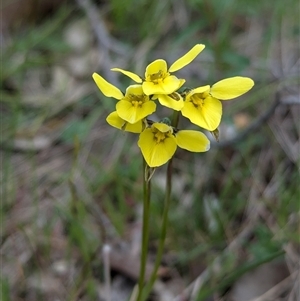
(71,184)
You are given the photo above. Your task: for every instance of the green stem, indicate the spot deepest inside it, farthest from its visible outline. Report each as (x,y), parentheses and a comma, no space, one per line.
(164,225)
(175,119)
(162,238)
(145,230)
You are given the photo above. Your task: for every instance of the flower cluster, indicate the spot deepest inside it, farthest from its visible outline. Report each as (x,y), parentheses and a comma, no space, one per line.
(158,141)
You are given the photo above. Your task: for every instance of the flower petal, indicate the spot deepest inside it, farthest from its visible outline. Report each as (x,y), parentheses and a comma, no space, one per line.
(131,113)
(114,120)
(192,141)
(162,127)
(200,89)
(208,116)
(169,102)
(134,89)
(106,88)
(187,58)
(132,75)
(169,85)
(232,87)
(182,81)
(156,154)
(156,67)
(150,88)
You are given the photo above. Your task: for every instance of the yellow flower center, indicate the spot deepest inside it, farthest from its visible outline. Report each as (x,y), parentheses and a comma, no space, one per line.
(157,77)
(198,99)
(159,136)
(137,100)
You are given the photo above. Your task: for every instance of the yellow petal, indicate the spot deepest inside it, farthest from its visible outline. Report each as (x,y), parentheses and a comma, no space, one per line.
(162,127)
(169,85)
(169,102)
(114,120)
(208,116)
(134,89)
(106,88)
(187,58)
(150,88)
(182,81)
(132,75)
(131,113)
(156,154)
(200,89)
(232,87)
(157,67)
(192,141)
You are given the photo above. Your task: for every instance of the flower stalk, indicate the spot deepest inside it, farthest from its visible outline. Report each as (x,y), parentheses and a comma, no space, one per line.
(145,229)
(163,233)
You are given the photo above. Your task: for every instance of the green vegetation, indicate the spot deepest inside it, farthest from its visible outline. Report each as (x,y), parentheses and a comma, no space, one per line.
(70,183)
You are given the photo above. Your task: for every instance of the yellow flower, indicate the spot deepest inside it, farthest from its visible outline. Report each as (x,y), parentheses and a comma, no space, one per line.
(158,78)
(116,121)
(202,106)
(159,142)
(133,106)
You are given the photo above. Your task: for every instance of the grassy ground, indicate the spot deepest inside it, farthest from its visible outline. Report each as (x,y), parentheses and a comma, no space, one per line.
(70,183)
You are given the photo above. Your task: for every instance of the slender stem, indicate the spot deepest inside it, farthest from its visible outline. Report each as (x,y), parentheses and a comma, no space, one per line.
(145,230)
(163,232)
(175,119)
(164,225)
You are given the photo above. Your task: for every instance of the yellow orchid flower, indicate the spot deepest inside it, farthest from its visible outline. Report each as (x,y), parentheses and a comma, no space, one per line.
(116,121)
(202,106)
(158,78)
(135,105)
(131,107)
(159,142)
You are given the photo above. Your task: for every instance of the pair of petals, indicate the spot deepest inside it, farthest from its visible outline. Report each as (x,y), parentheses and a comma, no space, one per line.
(116,121)
(208,114)
(157,152)
(133,106)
